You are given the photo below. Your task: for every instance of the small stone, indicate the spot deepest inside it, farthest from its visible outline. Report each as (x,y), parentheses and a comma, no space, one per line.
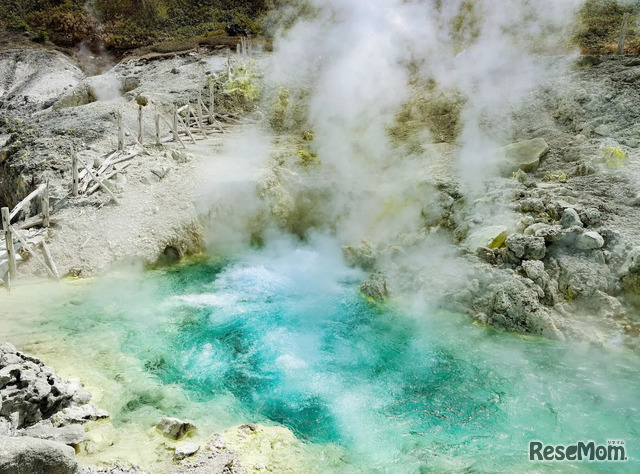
(534,269)
(175,70)
(524,155)
(602,130)
(490,237)
(589,241)
(174,428)
(527,247)
(570,219)
(591,217)
(185,450)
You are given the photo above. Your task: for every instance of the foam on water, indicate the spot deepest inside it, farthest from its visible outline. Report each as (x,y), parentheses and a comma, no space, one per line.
(282,336)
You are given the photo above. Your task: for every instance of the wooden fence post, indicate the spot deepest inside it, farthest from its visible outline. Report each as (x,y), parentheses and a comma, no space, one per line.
(623,33)
(211,105)
(45,206)
(199,109)
(158,141)
(175,123)
(11,252)
(74,165)
(140,124)
(120,132)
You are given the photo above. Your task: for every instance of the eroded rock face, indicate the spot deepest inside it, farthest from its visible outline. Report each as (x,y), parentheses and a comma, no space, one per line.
(41,415)
(527,247)
(33,390)
(515,305)
(32,80)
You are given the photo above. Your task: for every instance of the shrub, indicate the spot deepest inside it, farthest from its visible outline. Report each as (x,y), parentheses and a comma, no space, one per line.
(600,23)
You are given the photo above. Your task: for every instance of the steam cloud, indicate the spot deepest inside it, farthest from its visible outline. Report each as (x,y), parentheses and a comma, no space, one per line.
(356,55)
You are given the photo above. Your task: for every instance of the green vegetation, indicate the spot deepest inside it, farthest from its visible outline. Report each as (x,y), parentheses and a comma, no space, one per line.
(120,25)
(600,23)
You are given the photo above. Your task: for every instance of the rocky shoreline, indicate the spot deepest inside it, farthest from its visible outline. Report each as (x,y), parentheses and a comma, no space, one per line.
(44,419)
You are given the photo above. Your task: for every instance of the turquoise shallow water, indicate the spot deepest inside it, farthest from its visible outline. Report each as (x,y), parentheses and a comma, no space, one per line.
(281,335)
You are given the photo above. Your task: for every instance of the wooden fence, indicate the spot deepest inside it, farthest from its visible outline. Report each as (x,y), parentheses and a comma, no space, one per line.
(11,232)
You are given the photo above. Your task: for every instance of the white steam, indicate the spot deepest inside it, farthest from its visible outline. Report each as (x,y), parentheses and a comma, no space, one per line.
(355,56)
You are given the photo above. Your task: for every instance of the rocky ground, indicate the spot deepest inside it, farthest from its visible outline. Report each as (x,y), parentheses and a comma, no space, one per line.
(552,247)
(44,122)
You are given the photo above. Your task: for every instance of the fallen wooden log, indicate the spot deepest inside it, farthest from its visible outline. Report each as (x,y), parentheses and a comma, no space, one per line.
(35,221)
(99,181)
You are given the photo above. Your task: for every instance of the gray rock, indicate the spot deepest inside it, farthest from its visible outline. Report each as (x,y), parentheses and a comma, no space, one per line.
(130,83)
(24,455)
(570,218)
(180,156)
(632,263)
(491,237)
(514,305)
(591,217)
(174,428)
(375,287)
(70,434)
(7,348)
(602,130)
(524,155)
(579,278)
(184,450)
(78,414)
(534,269)
(527,247)
(589,241)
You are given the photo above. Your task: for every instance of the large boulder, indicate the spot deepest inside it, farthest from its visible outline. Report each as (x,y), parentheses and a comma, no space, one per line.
(524,155)
(25,455)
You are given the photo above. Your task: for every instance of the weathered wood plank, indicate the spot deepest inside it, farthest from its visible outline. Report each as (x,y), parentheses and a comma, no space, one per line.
(24,243)
(11,251)
(99,181)
(22,204)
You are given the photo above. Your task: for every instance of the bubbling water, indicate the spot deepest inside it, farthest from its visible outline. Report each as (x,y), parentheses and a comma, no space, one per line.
(281,335)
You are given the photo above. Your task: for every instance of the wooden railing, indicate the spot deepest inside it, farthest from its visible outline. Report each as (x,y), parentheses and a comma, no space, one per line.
(11,232)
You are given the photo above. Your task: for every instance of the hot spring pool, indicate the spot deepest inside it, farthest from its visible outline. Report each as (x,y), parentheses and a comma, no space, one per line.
(282,336)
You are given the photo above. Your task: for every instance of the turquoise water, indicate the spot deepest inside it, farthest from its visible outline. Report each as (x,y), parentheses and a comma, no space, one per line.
(282,336)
